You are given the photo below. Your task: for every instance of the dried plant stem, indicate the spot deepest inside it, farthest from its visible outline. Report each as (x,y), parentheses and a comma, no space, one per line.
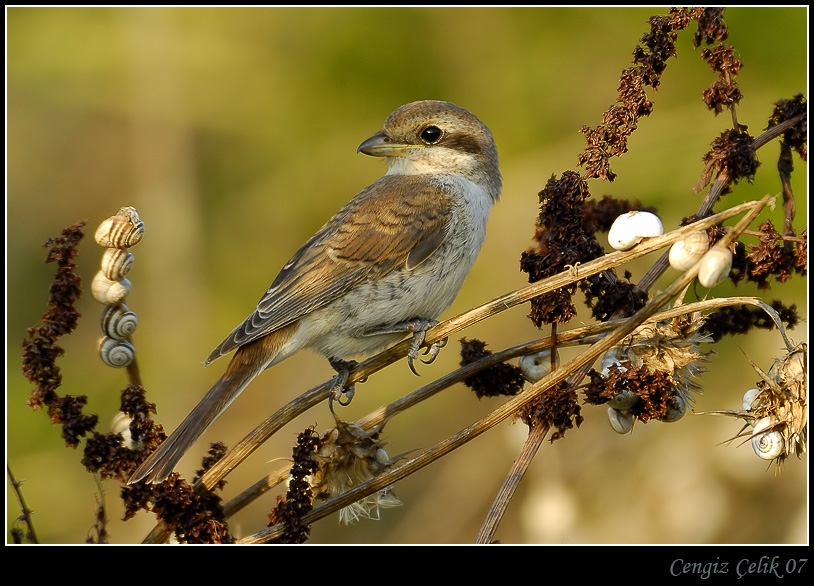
(257,489)
(534,440)
(25,515)
(318,394)
(504,411)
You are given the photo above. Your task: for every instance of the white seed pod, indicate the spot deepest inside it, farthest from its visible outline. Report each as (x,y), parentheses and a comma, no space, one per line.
(611,357)
(685,253)
(624,400)
(118,322)
(123,230)
(116,263)
(109,292)
(768,445)
(621,421)
(715,266)
(116,353)
(629,229)
(749,398)
(676,409)
(536,366)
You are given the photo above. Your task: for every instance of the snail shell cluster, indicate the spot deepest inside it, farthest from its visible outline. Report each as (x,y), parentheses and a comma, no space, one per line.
(110,286)
(629,229)
(685,253)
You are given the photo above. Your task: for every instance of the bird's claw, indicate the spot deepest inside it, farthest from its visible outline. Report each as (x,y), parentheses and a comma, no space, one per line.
(340,391)
(419,329)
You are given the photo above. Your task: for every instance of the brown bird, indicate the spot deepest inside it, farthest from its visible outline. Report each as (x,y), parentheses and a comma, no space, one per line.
(385,266)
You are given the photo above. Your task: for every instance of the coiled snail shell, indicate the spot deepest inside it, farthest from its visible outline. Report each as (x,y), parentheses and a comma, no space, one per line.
(621,421)
(611,357)
(118,322)
(116,353)
(749,398)
(123,230)
(624,400)
(121,425)
(768,445)
(109,292)
(685,253)
(629,229)
(715,266)
(536,366)
(676,409)
(116,263)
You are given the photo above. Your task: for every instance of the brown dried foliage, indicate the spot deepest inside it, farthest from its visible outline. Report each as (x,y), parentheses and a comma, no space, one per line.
(500,379)
(299,499)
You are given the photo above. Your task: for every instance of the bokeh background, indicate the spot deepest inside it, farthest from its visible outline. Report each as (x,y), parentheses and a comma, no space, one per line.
(233,131)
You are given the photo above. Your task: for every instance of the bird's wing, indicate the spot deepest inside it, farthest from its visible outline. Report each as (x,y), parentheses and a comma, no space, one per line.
(396,222)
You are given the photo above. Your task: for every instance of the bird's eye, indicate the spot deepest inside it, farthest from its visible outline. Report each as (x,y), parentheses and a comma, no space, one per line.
(431,134)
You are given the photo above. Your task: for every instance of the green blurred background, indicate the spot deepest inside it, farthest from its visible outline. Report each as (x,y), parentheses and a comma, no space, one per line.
(234,134)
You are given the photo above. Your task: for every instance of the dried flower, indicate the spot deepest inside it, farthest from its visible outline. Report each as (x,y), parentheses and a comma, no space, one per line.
(347,457)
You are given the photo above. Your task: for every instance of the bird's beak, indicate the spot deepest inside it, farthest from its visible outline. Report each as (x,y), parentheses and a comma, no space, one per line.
(379,145)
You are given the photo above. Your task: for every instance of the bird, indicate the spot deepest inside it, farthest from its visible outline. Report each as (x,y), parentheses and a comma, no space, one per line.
(385,266)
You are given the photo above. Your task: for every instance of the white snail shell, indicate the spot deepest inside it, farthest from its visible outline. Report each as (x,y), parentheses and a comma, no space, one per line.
(116,353)
(676,409)
(620,421)
(123,230)
(121,425)
(768,445)
(109,292)
(749,398)
(116,263)
(624,400)
(685,253)
(118,322)
(629,229)
(715,266)
(611,357)
(536,366)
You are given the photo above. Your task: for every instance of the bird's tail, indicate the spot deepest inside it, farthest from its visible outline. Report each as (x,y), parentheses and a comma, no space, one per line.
(249,361)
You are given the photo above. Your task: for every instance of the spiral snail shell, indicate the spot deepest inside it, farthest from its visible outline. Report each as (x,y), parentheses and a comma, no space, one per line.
(621,421)
(123,230)
(116,353)
(624,400)
(121,425)
(109,292)
(685,253)
(629,229)
(768,445)
(116,263)
(676,409)
(118,322)
(611,357)
(715,266)
(749,398)
(536,366)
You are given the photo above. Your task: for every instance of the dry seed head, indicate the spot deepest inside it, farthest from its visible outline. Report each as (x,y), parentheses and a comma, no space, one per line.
(348,457)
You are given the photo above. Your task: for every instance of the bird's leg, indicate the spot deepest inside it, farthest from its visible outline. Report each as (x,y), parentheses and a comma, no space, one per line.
(418,327)
(340,388)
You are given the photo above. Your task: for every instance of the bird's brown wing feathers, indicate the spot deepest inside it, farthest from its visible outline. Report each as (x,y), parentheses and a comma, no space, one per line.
(396,222)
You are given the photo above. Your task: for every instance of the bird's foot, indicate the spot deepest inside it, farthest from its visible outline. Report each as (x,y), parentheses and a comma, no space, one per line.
(340,391)
(418,327)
